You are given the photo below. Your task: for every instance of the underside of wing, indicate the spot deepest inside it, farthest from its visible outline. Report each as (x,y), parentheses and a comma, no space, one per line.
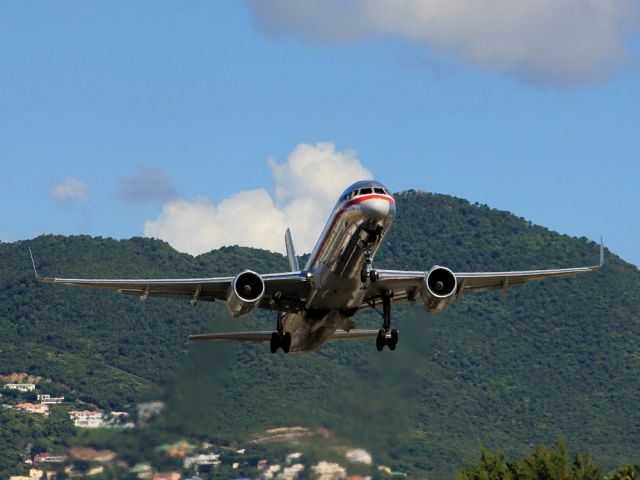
(484,281)
(291,289)
(406,286)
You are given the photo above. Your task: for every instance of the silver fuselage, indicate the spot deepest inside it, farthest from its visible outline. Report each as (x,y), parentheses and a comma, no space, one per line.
(356,224)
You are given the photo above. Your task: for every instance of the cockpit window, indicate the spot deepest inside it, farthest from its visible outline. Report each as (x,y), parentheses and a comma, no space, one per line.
(364,191)
(378,190)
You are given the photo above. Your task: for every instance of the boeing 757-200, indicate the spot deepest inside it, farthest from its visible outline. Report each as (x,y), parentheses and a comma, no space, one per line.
(316,304)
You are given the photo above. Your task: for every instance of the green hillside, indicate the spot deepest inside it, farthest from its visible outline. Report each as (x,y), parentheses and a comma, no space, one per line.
(508,371)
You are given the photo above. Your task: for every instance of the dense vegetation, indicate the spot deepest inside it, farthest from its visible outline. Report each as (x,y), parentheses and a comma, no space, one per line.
(553,463)
(509,370)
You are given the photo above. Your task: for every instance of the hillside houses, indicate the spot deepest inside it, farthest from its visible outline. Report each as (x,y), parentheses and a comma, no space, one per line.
(24,391)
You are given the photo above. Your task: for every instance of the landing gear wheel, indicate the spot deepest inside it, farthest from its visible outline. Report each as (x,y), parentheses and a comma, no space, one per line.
(380,340)
(386,336)
(374,276)
(275,342)
(393,340)
(285,342)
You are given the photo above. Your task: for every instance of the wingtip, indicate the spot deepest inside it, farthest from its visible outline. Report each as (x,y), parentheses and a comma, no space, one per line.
(39,277)
(601,260)
(601,252)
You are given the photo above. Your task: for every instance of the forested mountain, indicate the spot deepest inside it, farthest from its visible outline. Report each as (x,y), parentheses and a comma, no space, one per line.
(559,357)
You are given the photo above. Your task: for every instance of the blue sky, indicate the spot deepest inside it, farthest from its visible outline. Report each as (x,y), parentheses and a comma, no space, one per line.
(148,105)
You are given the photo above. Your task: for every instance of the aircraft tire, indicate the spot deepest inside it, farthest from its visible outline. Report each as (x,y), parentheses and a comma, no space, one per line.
(275,342)
(285,342)
(380,340)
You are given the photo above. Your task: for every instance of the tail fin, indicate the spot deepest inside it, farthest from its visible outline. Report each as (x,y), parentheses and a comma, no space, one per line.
(291,253)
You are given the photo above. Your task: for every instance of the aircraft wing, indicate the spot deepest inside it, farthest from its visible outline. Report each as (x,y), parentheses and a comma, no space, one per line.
(293,287)
(265,336)
(406,285)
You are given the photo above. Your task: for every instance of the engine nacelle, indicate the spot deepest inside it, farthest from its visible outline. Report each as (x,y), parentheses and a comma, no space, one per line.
(438,288)
(245,293)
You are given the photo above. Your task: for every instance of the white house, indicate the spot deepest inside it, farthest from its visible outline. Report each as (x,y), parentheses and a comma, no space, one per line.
(49,400)
(22,387)
(87,419)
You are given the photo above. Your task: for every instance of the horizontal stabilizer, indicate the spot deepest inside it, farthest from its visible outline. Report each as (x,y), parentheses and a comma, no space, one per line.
(266,336)
(354,334)
(232,337)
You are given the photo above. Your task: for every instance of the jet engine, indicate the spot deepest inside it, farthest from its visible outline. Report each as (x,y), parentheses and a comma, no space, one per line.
(438,288)
(245,293)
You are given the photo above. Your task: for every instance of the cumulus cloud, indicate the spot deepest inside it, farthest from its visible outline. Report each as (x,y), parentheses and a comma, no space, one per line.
(541,41)
(305,188)
(70,190)
(148,185)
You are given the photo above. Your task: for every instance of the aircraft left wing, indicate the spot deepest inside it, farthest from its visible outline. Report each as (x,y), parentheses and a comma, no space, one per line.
(292,288)
(406,285)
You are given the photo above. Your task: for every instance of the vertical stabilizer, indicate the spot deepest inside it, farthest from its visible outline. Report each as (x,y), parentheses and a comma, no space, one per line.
(291,253)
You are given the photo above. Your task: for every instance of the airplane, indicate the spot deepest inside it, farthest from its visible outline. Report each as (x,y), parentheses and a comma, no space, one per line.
(317,304)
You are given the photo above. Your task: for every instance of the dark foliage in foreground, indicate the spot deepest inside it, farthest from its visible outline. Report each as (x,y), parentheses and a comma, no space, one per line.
(548,463)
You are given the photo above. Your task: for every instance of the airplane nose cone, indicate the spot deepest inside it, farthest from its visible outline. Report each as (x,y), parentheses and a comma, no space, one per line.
(376,208)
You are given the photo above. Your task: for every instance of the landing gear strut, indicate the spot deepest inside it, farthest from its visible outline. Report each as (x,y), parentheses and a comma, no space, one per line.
(280,338)
(386,336)
(367,268)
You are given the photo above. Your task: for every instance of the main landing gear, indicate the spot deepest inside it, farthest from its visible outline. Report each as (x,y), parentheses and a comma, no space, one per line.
(280,338)
(386,336)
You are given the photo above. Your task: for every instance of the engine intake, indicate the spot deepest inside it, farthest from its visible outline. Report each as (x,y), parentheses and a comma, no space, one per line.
(245,293)
(438,288)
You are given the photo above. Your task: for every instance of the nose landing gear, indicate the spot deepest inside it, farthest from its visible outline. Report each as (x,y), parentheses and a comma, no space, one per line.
(368,271)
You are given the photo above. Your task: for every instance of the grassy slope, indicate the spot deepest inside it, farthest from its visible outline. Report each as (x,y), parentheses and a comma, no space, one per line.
(508,370)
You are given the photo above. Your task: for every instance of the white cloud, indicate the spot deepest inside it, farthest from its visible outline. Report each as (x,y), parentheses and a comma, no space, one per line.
(71,190)
(305,188)
(147,185)
(542,41)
